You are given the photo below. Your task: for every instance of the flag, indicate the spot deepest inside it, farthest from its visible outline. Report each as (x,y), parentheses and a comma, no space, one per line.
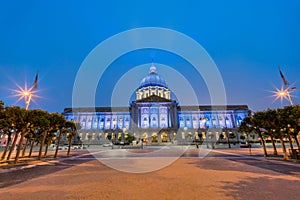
(35,83)
(283,78)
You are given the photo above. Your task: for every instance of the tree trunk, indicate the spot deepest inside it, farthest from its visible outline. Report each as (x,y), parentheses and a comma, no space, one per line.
(31,147)
(24,150)
(41,145)
(6,147)
(70,143)
(20,145)
(274,146)
(285,154)
(297,141)
(46,150)
(290,141)
(227,138)
(248,139)
(13,145)
(58,143)
(263,143)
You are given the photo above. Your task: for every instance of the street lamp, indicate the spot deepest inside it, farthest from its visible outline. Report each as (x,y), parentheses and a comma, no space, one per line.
(26,94)
(284,93)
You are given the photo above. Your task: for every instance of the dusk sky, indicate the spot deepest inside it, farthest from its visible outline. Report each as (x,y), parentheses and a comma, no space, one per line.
(247,40)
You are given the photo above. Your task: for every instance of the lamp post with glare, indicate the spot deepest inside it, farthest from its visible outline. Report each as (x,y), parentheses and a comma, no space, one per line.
(284,94)
(26,94)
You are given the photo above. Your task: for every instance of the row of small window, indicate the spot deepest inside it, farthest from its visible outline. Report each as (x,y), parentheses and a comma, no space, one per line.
(97,119)
(154,110)
(102,125)
(203,118)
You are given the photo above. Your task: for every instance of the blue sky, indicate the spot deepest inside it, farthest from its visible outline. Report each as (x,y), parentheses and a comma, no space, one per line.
(246,39)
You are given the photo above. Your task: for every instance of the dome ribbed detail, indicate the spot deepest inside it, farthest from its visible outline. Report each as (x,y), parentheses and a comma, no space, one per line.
(153,79)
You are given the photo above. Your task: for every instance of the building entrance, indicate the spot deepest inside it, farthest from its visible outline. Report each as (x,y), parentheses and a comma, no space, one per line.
(154,138)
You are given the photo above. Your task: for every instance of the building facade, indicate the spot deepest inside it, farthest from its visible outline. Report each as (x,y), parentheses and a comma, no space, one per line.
(156,118)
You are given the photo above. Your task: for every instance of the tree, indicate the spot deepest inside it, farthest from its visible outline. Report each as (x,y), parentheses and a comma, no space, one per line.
(1,106)
(78,138)
(280,123)
(35,126)
(227,136)
(71,127)
(221,137)
(39,120)
(257,124)
(269,123)
(56,121)
(109,136)
(130,138)
(28,138)
(35,136)
(290,118)
(296,125)
(246,128)
(289,125)
(48,140)
(60,122)
(6,128)
(19,119)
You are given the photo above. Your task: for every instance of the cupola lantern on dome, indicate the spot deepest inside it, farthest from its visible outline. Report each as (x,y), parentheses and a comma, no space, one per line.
(153,69)
(153,84)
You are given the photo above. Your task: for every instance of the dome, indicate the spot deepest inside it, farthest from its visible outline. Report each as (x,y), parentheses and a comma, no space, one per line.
(153,79)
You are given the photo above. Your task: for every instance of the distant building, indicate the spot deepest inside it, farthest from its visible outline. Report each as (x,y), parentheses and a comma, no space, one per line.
(156,118)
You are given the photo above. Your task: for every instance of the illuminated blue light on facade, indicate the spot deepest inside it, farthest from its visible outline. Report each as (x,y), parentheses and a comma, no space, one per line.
(153,111)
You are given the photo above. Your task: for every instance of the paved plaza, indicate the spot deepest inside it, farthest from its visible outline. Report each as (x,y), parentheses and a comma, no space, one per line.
(221,174)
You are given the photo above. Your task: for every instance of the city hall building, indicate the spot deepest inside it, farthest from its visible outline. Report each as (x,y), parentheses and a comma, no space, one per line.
(156,118)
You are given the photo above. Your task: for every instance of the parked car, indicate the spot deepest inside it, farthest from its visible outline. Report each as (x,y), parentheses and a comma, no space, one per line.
(107,144)
(75,147)
(60,147)
(81,147)
(245,145)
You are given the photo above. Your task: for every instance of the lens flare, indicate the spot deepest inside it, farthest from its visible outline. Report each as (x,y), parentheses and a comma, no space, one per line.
(25,93)
(282,93)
